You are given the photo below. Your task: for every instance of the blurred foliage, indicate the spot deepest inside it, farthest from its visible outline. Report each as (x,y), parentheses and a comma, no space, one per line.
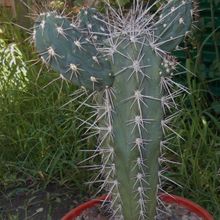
(57,4)
(203,46)
(208,58)
(12,67)
(40,138)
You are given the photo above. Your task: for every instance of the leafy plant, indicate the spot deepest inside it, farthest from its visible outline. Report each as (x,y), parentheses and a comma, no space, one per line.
(30,147)
(13,68)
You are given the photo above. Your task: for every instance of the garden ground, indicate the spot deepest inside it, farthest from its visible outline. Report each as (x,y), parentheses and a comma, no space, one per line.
(35,202)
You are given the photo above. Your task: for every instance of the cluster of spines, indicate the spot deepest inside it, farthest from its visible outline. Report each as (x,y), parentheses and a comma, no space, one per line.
(167,102)
(140,29)
(170,89)
(64,46)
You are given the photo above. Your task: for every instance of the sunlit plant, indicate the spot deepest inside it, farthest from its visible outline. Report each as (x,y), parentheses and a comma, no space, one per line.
(13,69)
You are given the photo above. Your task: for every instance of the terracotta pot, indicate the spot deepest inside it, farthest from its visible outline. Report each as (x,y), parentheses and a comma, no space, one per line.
(166,198)
(191,206)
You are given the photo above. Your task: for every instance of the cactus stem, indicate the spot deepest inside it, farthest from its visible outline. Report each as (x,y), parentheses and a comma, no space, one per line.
(139,144)
(141,192)
(158,45)
(107,170)
(106,113)
(139,99)
(108,24)
(120,71)
(129,119)
(73,25)
(112,49)
(166,27)
(167,102)
(173,9)
(113,185)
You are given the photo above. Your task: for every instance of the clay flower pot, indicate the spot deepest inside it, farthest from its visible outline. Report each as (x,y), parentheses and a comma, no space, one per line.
(191,206)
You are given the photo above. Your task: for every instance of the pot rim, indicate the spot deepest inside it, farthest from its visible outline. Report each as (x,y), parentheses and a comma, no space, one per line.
(168,198)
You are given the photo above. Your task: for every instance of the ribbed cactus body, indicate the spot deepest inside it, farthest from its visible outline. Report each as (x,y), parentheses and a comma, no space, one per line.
(70,53)
(91,22)
(126,59)
(175,21)
(137,129)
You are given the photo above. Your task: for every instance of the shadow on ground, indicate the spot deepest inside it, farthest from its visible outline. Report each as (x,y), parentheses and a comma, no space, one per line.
(37,203)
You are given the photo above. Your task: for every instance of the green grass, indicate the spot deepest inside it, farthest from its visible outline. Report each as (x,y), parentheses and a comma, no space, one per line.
(38,137)
(34,202)
(40,142)
(199,153)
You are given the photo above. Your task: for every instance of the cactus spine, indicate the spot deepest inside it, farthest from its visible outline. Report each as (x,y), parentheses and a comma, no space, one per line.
(126,59)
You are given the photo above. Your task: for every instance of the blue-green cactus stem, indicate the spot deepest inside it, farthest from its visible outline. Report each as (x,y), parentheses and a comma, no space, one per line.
(70,53)
(137,132)
(174,22)
(126,58)
(93,24)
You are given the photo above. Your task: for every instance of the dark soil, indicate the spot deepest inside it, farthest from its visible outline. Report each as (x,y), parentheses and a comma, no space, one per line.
(31,202)
(37,203)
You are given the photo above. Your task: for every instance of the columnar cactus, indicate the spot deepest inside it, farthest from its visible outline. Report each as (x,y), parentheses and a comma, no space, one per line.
(125,61)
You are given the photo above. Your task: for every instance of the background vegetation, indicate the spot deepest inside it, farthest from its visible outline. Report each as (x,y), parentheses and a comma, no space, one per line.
(40,139)
(38,136)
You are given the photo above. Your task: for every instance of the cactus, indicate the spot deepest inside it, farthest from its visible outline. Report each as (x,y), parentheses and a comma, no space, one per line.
(69,52)
(129,66)
(91,23)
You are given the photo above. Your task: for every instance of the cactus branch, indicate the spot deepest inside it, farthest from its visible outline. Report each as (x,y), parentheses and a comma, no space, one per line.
(122,62)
